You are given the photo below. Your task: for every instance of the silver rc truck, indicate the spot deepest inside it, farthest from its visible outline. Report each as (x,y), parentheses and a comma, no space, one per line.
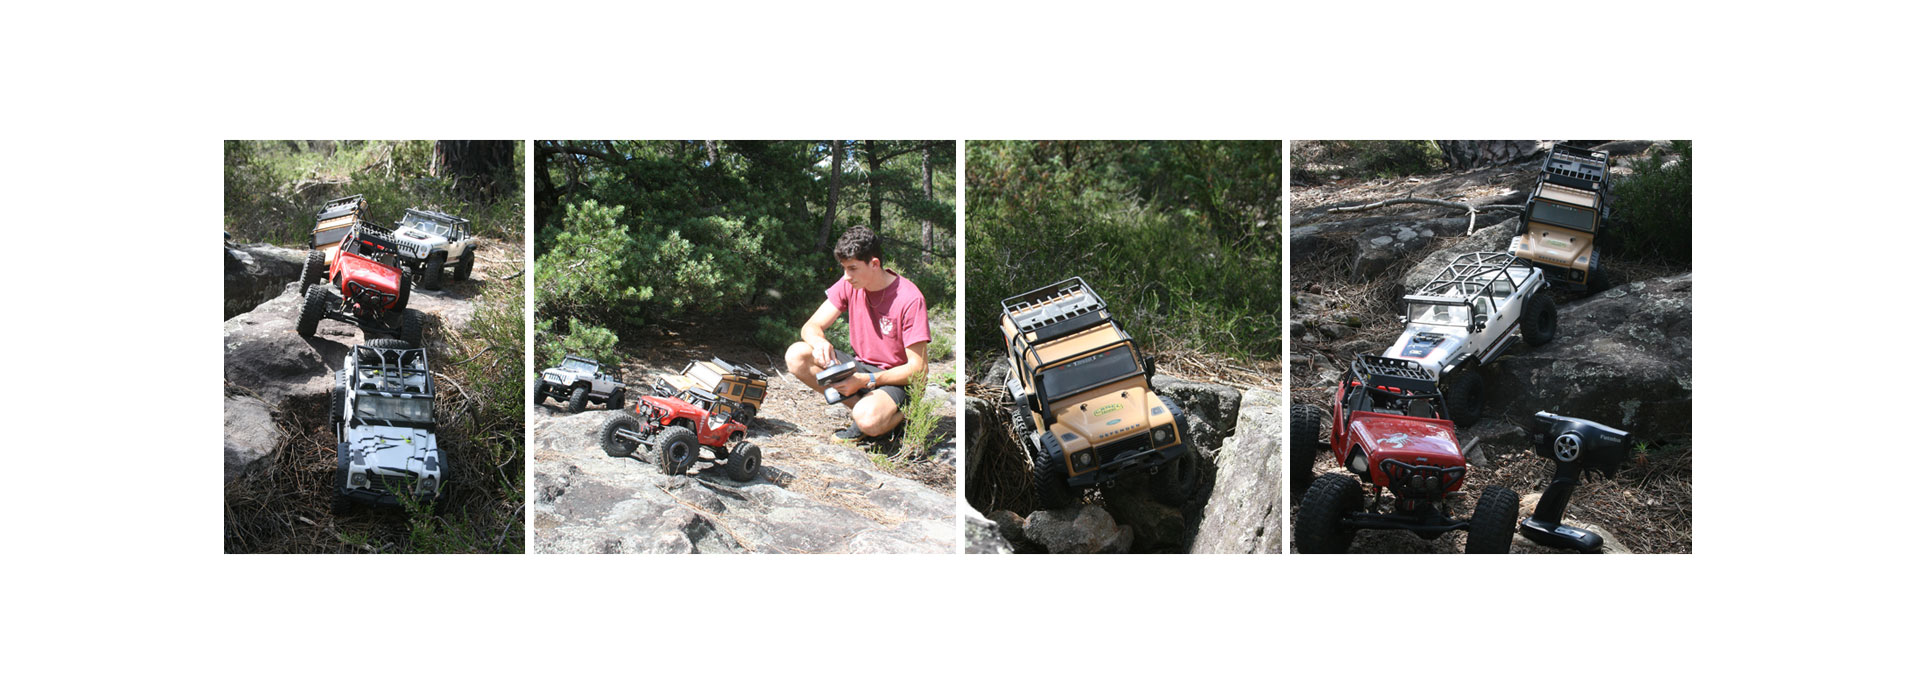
(579,381)
(1467,317)
(426,242)
(382,414)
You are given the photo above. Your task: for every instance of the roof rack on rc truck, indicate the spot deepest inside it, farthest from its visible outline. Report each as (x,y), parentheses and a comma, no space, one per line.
(1084,408)
(382,414)
(331,226)
(717,378)
(676,424)
(578,381)
(1564,216)
(1390,422)
(1468,316)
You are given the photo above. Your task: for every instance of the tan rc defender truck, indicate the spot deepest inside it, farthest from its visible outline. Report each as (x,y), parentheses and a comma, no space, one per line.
(1083,404)
(740,383)
(331,226)
(1563,217)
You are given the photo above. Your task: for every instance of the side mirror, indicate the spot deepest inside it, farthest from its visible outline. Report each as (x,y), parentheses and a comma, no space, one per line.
(1479,322)
(1148,361)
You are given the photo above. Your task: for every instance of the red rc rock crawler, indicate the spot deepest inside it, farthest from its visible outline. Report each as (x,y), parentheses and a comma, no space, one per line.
(676,425)
(1390,425)
(364,292)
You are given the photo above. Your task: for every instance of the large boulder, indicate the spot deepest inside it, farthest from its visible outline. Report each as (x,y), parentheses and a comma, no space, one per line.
(1078,529)
(1361,230)
(251,435)
(811,497)
(1244,514)
(1623,358)
(267,359)
(256,273)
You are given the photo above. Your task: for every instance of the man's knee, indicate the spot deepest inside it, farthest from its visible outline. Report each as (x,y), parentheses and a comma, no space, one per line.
(799,356)
(876,414)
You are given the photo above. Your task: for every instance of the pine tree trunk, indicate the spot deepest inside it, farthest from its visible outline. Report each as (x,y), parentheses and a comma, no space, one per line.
(926,189)
(833,198)
(873,187)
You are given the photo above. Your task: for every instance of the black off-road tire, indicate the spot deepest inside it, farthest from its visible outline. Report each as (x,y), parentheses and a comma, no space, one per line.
(341,504)
(1317,529)
(413,328)
(614,445)
(1303,445)
(436,263)
(1491,528)
(406,292)
(1050,490)
(1539,319)
(577,400)
(1466,397)
(338,410)
(618,400)
(464,267)
(1596,274)
(315,307)
(743,464)
(390,344)
(314,270)
(676,449)
(539,393)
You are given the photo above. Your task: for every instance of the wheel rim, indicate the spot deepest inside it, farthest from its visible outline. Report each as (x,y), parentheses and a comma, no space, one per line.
(1567,447)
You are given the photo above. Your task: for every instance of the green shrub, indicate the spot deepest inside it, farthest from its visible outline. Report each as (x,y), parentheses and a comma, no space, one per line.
(583,340)
(922,416)
(1653,207)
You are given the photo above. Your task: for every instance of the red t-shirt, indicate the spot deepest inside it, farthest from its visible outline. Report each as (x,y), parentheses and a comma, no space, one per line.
(882,323)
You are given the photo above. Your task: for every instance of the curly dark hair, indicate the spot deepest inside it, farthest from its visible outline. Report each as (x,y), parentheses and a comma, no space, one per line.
(858,243)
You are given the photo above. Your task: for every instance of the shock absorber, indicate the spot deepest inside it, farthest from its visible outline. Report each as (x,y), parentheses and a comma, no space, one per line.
(1577,447)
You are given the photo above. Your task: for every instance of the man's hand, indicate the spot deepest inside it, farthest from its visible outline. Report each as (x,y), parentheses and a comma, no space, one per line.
(823,354)
(853,385)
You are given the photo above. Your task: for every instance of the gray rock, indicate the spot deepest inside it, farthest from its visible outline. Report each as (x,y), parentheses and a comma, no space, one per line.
(266,358)
(1373,233)
(820,499)
(1212,409)
(1244,514)
(251,435)
(1079,529)
(1622,358)
(256,273)
(983,535)
(1463,154)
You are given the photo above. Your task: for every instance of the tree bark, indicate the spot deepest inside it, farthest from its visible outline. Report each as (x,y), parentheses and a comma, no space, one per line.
(926,190)
(833,198)
(713,152)
(873,187)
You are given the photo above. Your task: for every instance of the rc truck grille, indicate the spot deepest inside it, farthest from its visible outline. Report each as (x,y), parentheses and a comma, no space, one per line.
(1136,442)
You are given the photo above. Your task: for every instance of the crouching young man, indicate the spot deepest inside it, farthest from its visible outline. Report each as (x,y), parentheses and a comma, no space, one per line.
(887,324)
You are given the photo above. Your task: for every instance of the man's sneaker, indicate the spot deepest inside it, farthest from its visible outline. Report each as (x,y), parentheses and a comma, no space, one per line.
(851,433)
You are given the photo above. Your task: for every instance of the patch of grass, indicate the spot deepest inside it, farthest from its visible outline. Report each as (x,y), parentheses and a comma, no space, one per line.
(922,415)
(1653,207)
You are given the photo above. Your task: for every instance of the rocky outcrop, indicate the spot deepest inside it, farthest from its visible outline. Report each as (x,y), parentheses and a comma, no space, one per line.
(1463,154)
(1622,357)
(1244,514)
(256,273)
(983,535)
(823,499)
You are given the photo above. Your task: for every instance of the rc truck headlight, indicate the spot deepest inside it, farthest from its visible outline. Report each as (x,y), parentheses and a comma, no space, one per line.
(1083,459)
(358,480)
(428,485)
(1162,435)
